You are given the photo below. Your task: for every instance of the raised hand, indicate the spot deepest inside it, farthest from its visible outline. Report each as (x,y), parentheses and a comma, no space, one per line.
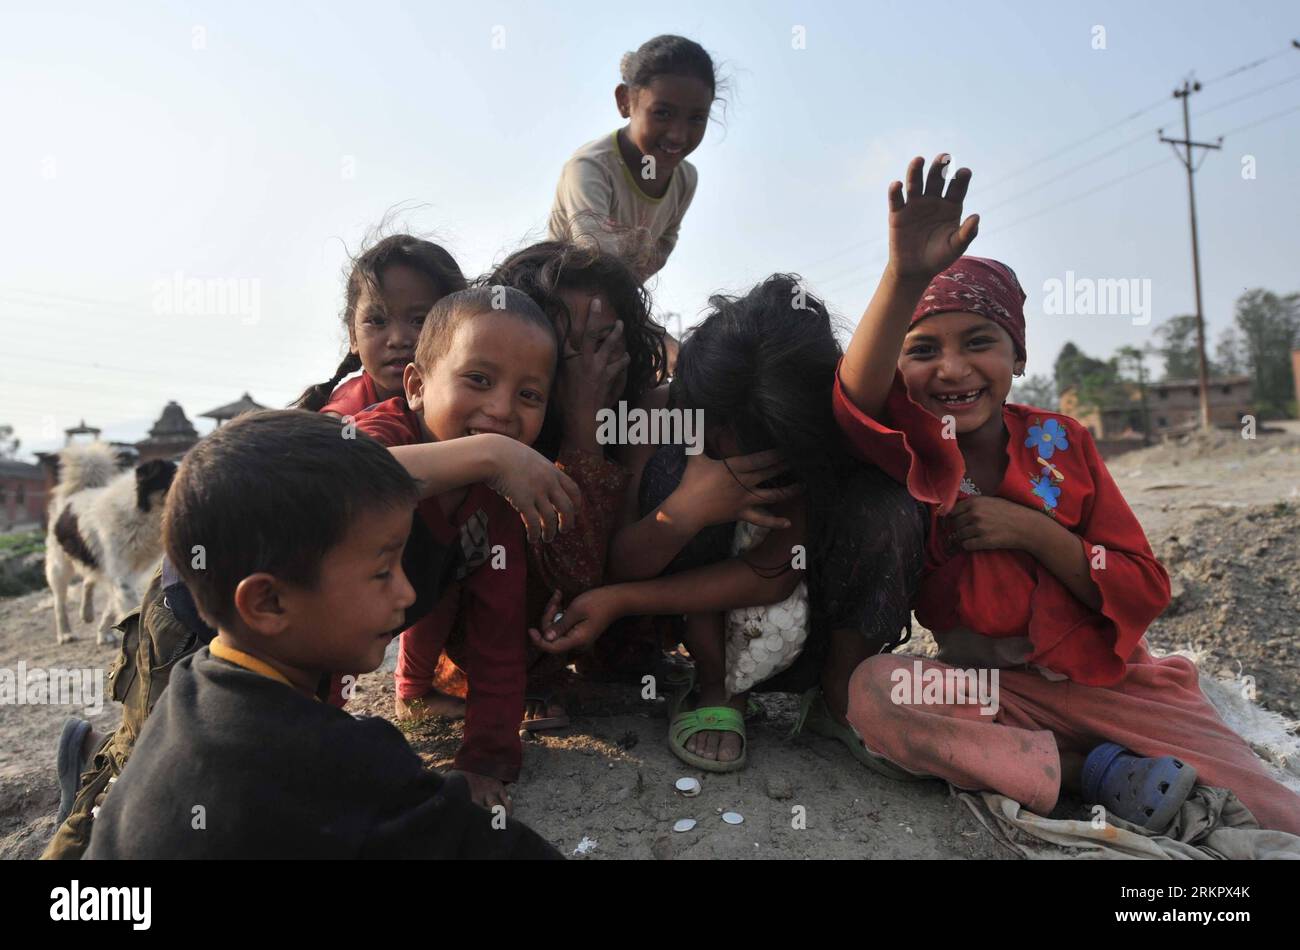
(926,233)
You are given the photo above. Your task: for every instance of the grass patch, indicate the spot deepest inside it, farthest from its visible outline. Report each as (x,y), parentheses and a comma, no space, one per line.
(21,543)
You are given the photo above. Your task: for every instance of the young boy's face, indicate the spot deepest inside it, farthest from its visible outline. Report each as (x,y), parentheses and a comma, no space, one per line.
(345,623)
(959,365)
(668,117)
(496,376)
(387,324)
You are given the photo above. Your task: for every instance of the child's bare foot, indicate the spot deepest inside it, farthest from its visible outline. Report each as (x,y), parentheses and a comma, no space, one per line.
(487,792)
(541,713)
(432,705)
(717,745)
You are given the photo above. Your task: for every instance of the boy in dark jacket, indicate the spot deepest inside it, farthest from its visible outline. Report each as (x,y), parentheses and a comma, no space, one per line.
(288,531)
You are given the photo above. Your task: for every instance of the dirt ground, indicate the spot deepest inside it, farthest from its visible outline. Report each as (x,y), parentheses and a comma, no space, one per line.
(1223,514)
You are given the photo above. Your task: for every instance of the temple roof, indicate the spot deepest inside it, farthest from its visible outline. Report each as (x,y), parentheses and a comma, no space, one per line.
(240,406)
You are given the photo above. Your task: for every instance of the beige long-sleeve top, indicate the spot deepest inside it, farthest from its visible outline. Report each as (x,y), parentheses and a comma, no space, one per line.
(598,199)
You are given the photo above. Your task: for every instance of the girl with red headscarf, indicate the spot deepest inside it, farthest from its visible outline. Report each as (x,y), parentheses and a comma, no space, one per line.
(1035,565)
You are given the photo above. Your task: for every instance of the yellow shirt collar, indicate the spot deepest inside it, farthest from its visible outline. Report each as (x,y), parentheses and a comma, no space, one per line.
(224,651)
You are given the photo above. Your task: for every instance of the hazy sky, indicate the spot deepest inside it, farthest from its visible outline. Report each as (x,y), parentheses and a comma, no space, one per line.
(254,144)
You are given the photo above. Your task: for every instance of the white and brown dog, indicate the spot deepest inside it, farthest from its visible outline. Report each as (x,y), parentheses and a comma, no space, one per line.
(104,526)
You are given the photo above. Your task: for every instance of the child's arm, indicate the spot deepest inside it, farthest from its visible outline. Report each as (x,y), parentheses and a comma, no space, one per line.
(1111,587)
(543,495)
(727,585)
(643,547)
(711,492)
(584,200)
(926,235)
(986,523)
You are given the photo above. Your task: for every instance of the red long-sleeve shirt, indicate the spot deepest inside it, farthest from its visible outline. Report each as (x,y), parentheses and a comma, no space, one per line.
(351,397)
(489,602)
(1006,593)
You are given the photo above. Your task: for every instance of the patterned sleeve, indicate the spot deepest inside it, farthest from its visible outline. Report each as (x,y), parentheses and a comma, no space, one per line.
(575,561)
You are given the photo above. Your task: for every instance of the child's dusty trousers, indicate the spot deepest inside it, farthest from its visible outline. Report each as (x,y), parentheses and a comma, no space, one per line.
(1157,709)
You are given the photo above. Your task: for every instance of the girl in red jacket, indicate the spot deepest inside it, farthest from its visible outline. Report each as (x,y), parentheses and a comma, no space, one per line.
(1036,567)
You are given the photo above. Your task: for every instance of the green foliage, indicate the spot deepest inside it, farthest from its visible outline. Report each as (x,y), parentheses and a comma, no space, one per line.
(1269,326)
(1177,347)
(1037,391)
(1097,382)
(21,543)
(8,444)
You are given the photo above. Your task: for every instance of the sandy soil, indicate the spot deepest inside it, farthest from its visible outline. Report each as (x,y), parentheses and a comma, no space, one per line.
(1224,513)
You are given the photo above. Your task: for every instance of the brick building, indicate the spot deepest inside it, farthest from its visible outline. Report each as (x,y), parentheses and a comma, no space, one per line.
(23,495)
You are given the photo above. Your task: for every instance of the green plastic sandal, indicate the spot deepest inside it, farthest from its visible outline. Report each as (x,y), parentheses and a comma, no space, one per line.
(683,725)
(817,719)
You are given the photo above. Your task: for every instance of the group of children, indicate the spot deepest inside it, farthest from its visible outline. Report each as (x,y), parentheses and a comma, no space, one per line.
(456,493)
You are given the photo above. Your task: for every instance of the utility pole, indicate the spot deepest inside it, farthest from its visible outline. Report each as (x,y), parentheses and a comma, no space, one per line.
(1186,141)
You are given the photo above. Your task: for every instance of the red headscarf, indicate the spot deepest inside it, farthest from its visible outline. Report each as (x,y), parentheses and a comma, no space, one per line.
(978,285)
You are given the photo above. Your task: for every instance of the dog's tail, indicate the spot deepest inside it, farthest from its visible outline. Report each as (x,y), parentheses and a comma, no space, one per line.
(90,465)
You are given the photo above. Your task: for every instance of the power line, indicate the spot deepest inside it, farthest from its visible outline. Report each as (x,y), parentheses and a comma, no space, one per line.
(1248,95)
(1065,148)
(1138,113)
(1042,211)
(1249,66)
(1267,118)
(1091,161)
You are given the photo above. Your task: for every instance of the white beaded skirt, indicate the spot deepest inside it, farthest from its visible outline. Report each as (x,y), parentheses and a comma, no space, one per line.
(763,641)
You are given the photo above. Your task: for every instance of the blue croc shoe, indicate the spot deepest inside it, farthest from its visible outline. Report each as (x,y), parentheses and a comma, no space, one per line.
(1145,791)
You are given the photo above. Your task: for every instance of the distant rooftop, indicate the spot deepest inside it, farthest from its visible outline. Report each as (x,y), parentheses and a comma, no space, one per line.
(15,469)
(229,411)
(172,427)
(1193,383)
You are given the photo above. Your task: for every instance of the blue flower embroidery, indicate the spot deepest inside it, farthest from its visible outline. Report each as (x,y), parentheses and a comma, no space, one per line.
(1046,490)
(1048,438)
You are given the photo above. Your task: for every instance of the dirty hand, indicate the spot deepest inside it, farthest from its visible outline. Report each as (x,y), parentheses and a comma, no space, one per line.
(984,523)
(581,623)
(926,233)
(544,496)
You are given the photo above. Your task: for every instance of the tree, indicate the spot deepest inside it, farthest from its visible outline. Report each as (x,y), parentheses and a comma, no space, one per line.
(1177,337)
(1035,391)
(1269,326)
(1097,382)
(1229,359)
(1130,357)
(8,444)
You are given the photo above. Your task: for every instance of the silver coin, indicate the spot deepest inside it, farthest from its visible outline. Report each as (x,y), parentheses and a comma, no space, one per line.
(690,787)
(733,817)
(684,824)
